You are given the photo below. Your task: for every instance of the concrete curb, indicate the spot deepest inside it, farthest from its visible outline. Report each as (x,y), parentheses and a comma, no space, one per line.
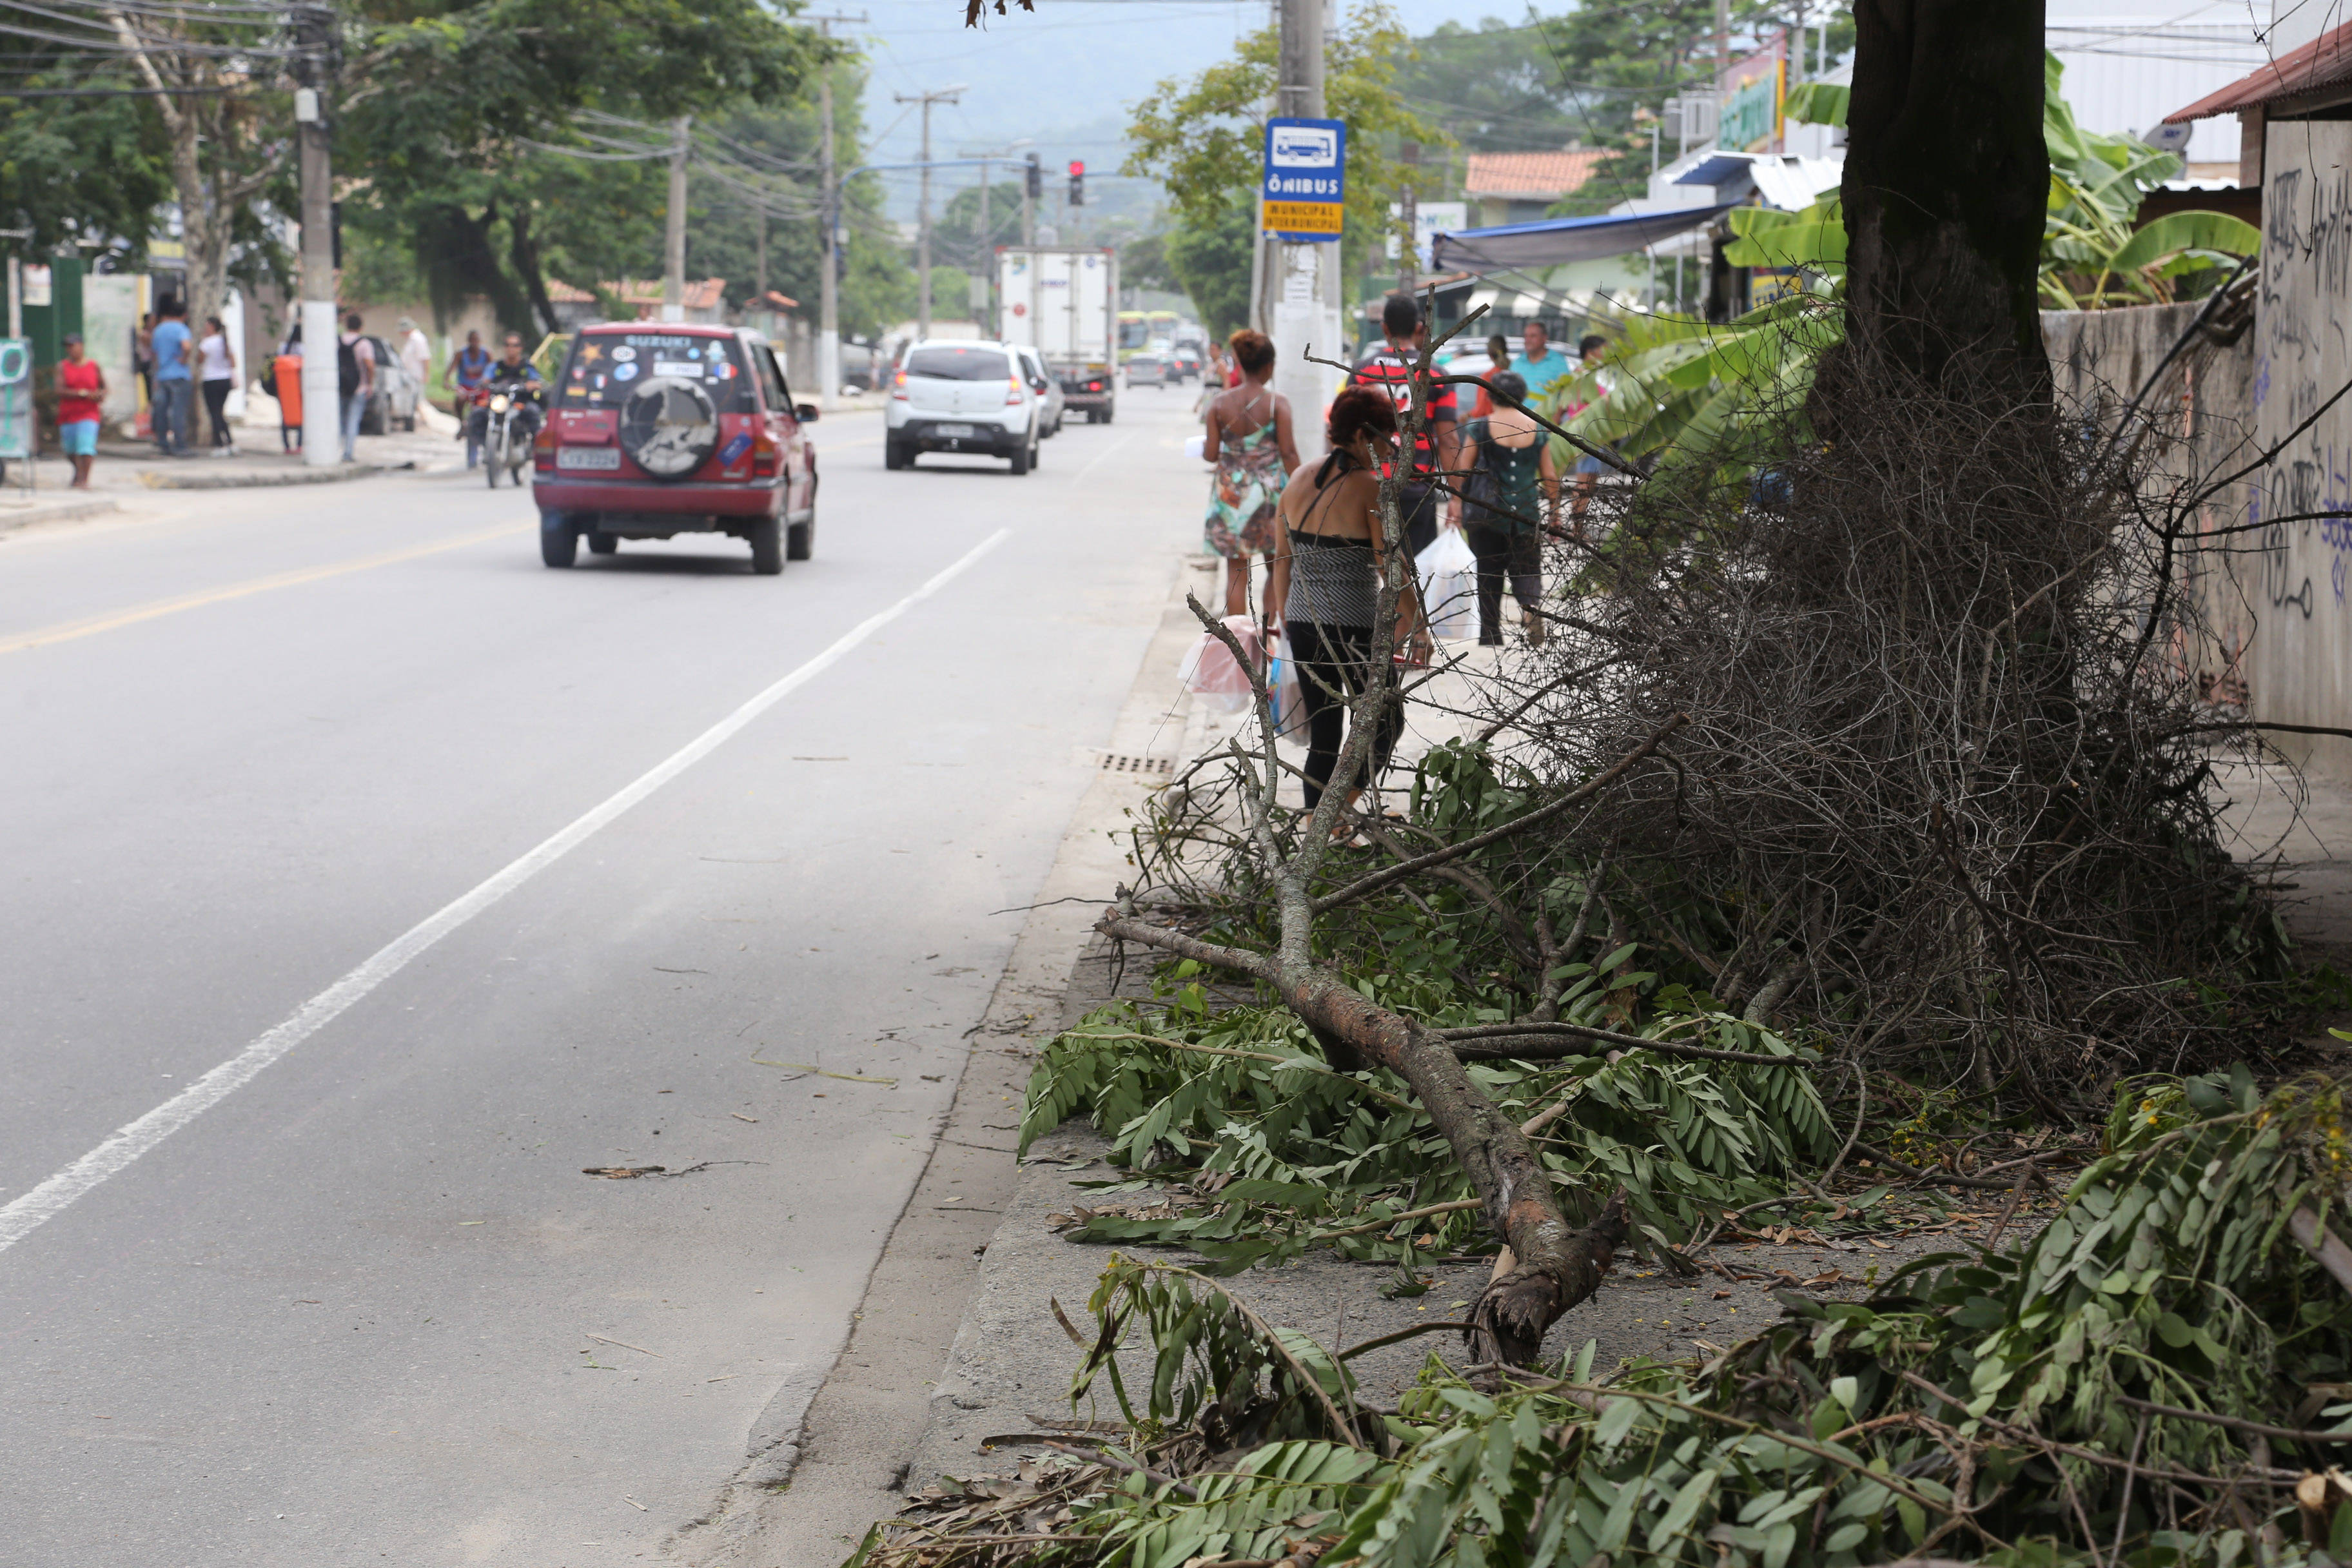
(58,511)
(156,481)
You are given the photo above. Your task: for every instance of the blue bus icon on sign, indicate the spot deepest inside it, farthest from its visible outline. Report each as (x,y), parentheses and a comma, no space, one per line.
(1304,147)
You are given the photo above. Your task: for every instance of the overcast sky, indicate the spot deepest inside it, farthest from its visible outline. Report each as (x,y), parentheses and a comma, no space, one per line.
(1063,77)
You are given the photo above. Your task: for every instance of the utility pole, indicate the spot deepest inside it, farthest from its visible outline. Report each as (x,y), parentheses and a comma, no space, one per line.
(1301,283)
(1722,41)
(985,265)
(314,64)
(674,251)
(828,334)
(923,210)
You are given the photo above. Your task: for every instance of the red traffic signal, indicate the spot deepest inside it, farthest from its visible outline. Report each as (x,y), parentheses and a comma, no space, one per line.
(1078,183)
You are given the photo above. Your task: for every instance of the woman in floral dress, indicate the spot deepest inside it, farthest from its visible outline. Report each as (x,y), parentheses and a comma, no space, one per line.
(1250,444)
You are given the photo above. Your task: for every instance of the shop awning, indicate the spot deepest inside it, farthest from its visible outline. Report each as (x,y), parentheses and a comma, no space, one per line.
(1551,242)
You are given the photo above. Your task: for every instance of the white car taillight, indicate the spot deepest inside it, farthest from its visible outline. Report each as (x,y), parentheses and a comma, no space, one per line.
(1012,392)
(898,387)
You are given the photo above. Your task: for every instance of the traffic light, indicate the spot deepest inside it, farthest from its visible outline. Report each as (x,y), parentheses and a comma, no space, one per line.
(1077,184)
(1036,176)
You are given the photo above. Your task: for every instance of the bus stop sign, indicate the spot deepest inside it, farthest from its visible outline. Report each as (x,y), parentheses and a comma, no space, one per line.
(1306,189)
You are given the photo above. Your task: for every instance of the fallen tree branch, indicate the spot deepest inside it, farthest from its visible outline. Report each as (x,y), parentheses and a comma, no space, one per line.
(1557,1265)
(2255,1428)
(1479,1051)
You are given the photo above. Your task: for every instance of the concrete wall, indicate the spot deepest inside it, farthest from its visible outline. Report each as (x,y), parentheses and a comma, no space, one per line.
(2200,426)
(2302,360)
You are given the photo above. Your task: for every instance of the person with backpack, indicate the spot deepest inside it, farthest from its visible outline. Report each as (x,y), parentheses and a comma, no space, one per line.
(354,380)
(1513,485)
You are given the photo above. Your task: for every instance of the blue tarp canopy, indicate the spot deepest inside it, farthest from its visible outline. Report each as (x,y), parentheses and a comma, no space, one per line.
(1550,242)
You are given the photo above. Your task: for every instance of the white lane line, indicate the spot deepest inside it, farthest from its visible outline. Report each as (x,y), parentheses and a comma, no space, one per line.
(1104,456)
(26,1214)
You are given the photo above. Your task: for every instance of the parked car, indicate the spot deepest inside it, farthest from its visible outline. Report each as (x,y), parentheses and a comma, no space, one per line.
(963,394)
(863,366)
(1046,386)
(1149,370)
(392,406)
(657,429)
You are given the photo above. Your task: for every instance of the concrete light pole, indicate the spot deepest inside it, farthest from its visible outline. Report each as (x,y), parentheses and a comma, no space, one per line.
(828,333)
(674,249)
(1300,283)
(923,207)
(314,64)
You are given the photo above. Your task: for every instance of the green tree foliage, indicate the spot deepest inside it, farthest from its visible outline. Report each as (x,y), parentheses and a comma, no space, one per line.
(1209,260)
(1204,139)
(438,134)
(80,169)
(1493,87)
(769,158)
(2145,1379)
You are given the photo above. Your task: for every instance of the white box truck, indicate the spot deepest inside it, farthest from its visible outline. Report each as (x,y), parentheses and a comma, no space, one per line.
(1063,301)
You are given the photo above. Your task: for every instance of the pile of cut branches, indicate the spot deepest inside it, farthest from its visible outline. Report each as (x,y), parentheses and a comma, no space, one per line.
(2159,1375)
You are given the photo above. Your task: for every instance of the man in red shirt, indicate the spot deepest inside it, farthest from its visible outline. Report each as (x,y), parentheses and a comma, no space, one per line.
(1437,448)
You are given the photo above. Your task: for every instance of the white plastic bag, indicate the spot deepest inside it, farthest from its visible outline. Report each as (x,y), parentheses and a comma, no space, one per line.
(1449,585)
(1208,672)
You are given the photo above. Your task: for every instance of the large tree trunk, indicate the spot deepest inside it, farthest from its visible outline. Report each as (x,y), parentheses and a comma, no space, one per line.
(1946,182)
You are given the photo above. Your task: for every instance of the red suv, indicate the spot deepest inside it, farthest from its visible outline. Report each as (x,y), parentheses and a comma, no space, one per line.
(656,428)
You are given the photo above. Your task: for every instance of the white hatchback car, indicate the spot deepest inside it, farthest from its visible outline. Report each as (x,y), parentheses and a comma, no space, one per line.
(963,394)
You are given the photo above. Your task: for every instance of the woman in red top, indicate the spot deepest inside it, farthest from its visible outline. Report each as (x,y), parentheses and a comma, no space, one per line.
(81,389)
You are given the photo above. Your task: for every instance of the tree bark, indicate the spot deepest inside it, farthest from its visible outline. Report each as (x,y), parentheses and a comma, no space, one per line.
(1946,182)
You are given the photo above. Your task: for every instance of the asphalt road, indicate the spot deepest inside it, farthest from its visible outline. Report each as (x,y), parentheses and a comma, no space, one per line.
(365,1305)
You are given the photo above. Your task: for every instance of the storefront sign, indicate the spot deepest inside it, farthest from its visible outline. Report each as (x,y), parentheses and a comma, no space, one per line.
(1749,96)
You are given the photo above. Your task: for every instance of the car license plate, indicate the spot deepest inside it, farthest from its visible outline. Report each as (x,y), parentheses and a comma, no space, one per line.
(607,457)
(951,430)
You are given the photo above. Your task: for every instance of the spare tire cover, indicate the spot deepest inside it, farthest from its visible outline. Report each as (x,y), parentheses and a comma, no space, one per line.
(669,427)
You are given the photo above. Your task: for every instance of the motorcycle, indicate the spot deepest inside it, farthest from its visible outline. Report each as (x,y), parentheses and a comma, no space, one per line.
(506,431)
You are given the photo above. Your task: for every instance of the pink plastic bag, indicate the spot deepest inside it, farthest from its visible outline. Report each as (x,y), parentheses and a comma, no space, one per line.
(1210,673)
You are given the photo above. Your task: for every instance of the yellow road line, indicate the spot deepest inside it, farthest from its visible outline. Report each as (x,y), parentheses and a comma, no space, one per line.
(154,608)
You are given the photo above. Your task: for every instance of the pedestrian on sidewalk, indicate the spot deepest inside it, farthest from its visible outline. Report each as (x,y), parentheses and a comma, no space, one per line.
(1589,353)
(1436,449)
(176,388)
(469,370)
(1514,486)
(1542,364)
(1251,447)
(218,361)
(142,357)
(1325,589)
(1499,359)
(416,352)
(354,380)
(81,395)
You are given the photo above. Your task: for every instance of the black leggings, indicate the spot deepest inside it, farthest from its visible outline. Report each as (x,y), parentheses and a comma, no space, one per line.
(1333,663)
(216,408)
(1520,554)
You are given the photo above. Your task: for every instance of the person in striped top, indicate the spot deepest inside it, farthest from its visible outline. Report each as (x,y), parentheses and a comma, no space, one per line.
(1437,449)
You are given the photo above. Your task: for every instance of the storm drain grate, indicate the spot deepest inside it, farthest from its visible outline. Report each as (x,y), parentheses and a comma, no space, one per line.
(1128,762)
